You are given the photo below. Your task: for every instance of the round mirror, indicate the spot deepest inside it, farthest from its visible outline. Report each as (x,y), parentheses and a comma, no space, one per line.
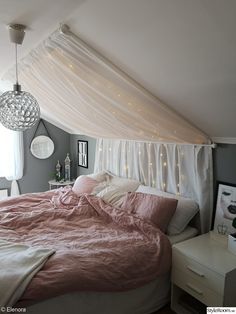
(42,147)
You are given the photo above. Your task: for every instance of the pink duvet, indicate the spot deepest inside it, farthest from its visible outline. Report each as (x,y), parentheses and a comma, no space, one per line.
(98,247)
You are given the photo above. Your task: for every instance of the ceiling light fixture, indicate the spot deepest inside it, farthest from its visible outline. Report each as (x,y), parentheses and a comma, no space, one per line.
(19,110)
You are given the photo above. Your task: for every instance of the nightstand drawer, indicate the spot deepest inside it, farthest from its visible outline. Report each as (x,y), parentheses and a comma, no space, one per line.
(195,270)
(196,289)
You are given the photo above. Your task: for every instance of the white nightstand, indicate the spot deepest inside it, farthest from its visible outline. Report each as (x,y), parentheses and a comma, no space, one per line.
(56,184)
(202,269)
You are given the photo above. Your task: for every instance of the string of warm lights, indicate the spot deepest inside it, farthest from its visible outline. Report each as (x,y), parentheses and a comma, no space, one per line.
(133,105)
(161,173)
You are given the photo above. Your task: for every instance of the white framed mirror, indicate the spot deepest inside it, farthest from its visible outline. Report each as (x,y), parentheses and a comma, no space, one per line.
(42,147)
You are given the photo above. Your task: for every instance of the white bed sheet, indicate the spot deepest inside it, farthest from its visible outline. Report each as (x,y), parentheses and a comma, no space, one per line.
(144,300)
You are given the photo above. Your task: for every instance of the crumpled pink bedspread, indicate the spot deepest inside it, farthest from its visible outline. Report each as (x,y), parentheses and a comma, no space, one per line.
(98,247)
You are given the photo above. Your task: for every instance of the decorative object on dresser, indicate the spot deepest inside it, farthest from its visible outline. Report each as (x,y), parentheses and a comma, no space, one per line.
(83,154)
(19,110)
(203,270)
(225,208)
(58,171)
(67,167)
(42,146)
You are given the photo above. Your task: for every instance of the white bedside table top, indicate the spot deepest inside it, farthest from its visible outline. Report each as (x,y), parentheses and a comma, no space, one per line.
(209,252)
(54,182)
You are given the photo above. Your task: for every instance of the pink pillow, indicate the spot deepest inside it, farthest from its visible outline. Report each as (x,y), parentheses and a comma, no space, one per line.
(159,210)
(84,184)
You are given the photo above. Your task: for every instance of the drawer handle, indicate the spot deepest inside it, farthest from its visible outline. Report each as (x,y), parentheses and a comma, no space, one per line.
(195,271)
(194,289)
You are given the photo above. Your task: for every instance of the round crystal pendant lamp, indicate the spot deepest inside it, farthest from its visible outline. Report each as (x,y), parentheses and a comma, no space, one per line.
(19,110)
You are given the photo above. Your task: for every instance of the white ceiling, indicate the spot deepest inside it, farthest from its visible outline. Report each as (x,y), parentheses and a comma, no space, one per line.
(183,51)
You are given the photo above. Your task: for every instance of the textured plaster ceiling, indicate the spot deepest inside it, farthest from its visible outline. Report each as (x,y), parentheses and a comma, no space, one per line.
(183,51)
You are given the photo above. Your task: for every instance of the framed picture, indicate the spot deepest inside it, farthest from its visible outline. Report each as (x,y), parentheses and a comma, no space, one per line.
(83,154)
(225,208)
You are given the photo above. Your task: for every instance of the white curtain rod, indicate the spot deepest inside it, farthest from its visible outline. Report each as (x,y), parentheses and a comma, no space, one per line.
(213,145)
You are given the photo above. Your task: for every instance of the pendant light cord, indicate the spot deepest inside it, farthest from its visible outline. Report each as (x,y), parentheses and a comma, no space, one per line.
(16,65)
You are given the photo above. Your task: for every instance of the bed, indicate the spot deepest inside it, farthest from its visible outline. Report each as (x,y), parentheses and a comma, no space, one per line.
(144,300)
(140,287)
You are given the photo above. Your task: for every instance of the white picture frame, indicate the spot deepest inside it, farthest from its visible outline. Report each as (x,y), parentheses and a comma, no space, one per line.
(83,154)
(225,208)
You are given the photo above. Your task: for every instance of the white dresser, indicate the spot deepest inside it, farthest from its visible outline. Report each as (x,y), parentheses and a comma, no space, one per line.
(204,269)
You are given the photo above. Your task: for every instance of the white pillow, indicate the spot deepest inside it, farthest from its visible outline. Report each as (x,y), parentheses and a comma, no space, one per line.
(103,178)
(128,185)
(99,176)
(112,194)
(116,188)
(185,211)
(124,184)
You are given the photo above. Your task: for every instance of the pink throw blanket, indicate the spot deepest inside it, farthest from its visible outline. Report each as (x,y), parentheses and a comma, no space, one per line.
(98,247)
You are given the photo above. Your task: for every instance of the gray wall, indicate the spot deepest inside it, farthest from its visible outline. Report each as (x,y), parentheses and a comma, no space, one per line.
(225,163)
(76,170)
(37,172)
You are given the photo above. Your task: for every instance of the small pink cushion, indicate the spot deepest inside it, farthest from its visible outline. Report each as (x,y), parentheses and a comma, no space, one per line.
(84,184)
(159,210)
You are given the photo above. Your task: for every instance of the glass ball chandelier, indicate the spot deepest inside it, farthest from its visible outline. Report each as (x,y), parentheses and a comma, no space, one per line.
(19,110)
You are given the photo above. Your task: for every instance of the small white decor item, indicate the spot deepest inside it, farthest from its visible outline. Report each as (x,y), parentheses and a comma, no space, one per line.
(222,229)
(67,168)
(58,171)
(219,237)
(232,243)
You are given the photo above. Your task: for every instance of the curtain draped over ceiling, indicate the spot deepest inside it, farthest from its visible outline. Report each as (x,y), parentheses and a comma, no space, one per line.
(11,157)
(83,92)
(179,169)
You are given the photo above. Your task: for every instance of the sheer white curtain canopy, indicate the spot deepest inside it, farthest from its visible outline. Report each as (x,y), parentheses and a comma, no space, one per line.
(82,92)
(175,168)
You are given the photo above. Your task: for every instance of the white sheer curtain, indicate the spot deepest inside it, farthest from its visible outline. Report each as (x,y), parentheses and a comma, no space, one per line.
(11,157)
(84,93)
(180,169)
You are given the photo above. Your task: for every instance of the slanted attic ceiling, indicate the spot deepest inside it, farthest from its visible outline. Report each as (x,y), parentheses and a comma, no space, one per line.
(183,51)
